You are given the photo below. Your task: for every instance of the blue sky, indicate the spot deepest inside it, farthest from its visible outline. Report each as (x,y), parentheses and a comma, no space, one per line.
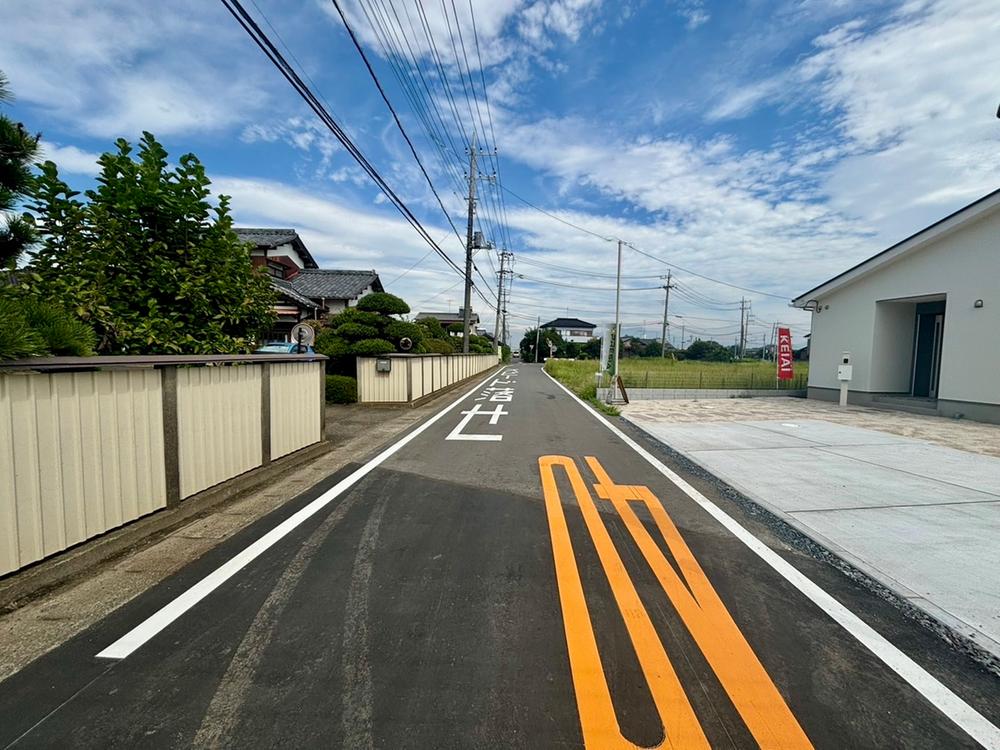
(770,144)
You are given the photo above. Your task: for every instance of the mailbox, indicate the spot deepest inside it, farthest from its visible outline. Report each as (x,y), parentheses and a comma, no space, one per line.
(845,370)
(383,364)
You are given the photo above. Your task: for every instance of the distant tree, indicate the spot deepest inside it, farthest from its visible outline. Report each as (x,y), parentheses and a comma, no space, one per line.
(711,351)
(547,336)
(146,260)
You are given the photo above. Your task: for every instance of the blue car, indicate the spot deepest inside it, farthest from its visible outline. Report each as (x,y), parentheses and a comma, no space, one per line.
(284,347)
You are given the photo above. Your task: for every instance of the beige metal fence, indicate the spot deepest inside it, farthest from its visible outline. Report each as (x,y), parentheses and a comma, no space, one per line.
(83,452)
(404,378)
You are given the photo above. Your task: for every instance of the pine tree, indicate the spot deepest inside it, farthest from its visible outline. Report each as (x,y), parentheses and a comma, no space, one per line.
(18,149)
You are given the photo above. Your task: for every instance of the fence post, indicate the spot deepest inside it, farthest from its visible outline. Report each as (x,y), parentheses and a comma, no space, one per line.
(322,401)
(409,380)
(171,435)
(265,413)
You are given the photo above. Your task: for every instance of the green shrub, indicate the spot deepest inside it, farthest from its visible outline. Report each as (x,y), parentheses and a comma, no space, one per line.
(373,347)
(399,329)
(341,389)
(438,346)
(353,330)
(63,334)
(384,303)
(17,339)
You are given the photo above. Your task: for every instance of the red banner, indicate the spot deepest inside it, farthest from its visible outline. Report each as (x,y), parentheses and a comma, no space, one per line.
(785,371)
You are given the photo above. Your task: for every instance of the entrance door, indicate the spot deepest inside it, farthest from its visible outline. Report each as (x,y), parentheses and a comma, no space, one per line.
(927,351)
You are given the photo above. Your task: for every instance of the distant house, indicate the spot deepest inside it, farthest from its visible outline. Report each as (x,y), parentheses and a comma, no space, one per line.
(572,329)
(450,318)
(335,290)
(305,291)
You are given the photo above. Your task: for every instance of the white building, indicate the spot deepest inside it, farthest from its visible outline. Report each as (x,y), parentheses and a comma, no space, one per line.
(572,329)
(921,321)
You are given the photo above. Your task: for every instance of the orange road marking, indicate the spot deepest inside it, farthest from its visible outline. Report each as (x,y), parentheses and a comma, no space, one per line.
(740,672)
(593,696)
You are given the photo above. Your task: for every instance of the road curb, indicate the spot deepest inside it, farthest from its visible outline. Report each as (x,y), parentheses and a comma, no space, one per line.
(789,532)
(42,577)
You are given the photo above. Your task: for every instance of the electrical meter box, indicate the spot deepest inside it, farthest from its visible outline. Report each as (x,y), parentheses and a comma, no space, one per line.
(383,364)
(845,370)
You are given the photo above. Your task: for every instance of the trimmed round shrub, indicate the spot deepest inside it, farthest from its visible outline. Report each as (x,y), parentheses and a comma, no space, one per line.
(437,346)
(399,329)
(341,389)
(373,347)
(384,303)
(356,331)
(330,344)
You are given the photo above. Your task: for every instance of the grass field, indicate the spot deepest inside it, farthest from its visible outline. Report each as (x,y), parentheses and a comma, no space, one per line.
(668,373)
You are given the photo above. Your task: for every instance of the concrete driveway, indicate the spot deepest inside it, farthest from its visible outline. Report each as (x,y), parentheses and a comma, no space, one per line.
(916,515)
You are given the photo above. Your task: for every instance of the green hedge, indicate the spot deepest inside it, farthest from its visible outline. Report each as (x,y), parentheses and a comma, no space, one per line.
(341,389)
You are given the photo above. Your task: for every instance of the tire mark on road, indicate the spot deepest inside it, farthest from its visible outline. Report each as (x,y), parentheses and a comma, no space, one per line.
(224,710)
(356,717)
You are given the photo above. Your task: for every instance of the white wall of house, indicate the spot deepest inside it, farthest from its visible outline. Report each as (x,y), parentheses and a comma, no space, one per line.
(873,318)
(575,335)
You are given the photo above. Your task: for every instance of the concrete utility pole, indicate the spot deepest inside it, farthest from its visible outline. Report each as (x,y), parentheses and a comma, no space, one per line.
(741,346)
(538,333)
(618,319)
(500,329)
(496,321)
(666,304)
(467,311)
(682,335)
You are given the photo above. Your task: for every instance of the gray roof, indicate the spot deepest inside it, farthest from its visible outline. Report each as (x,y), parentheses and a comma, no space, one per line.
(272,238)
(285,288)
(331,284)
(568,323)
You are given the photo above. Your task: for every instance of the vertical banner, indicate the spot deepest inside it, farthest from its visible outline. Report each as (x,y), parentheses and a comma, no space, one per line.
(785,370)
(606,341)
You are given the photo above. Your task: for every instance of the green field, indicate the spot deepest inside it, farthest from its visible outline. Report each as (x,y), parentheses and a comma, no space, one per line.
(668,373)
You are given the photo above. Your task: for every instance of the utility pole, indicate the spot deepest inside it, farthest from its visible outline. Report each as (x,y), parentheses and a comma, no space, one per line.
(467,311)
(496,321)
(743,331)
(538,333)
(500,329)
(682,335)
(666,304)
(618,322)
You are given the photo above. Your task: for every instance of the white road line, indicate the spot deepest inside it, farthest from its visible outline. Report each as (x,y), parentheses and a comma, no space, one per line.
(152,625)
(965,716)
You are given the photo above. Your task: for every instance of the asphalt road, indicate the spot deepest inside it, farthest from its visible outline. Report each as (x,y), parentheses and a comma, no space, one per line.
(514,574)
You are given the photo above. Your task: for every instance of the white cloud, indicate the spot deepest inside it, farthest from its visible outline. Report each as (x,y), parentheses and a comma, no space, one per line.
(70,159)
(917,99)
(116,68)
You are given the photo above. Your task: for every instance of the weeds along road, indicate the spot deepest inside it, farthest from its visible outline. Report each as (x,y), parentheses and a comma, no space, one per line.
(514,572)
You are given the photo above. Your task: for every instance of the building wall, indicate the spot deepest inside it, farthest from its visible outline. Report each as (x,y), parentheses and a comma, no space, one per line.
(962,266)
(574,335)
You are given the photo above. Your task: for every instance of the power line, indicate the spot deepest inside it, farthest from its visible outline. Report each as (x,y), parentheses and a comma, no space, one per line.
(528,203)
(261,39)
(703,276)
(402,130)
(587,288)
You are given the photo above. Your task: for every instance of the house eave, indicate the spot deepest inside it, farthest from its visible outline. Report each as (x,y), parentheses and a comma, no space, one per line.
(941,228)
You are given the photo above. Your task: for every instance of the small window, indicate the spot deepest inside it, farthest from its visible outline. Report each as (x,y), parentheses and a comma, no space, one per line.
(275,269)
